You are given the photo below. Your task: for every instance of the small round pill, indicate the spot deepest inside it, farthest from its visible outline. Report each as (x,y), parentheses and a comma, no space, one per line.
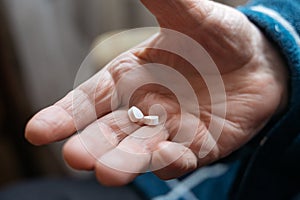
(151,120)
(135,114)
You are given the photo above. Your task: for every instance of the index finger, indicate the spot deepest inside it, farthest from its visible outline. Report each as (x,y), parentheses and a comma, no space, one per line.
(76,110)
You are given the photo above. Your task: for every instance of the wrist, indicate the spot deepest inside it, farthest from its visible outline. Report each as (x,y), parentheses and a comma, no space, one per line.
(276,65)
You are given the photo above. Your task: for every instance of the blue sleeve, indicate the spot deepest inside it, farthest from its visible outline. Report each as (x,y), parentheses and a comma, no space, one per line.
(279,20)
(273,169)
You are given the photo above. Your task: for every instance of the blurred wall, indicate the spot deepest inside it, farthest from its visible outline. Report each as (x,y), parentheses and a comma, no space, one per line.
(232,2)
(54,36)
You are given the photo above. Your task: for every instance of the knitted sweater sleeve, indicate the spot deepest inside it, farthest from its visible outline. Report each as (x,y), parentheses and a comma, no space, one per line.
(279,20)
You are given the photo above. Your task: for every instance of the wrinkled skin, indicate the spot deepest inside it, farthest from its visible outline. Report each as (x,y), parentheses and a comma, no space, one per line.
(255,84)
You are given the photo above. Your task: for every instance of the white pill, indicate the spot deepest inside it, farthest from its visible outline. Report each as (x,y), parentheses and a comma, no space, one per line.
(135,114)
(151,120)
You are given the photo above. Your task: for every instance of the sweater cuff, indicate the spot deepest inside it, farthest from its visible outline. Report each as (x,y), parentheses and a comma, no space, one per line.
(281,32)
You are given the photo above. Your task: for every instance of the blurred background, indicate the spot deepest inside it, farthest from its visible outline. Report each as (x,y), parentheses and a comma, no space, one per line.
(42,44)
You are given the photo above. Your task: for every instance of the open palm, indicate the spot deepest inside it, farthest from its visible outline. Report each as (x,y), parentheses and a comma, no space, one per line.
(187,138)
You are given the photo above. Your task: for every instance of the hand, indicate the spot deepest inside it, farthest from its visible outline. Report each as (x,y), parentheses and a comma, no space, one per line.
(118,150)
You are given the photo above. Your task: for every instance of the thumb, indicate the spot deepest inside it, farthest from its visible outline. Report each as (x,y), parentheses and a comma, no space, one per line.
(174,14)
(222,31)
